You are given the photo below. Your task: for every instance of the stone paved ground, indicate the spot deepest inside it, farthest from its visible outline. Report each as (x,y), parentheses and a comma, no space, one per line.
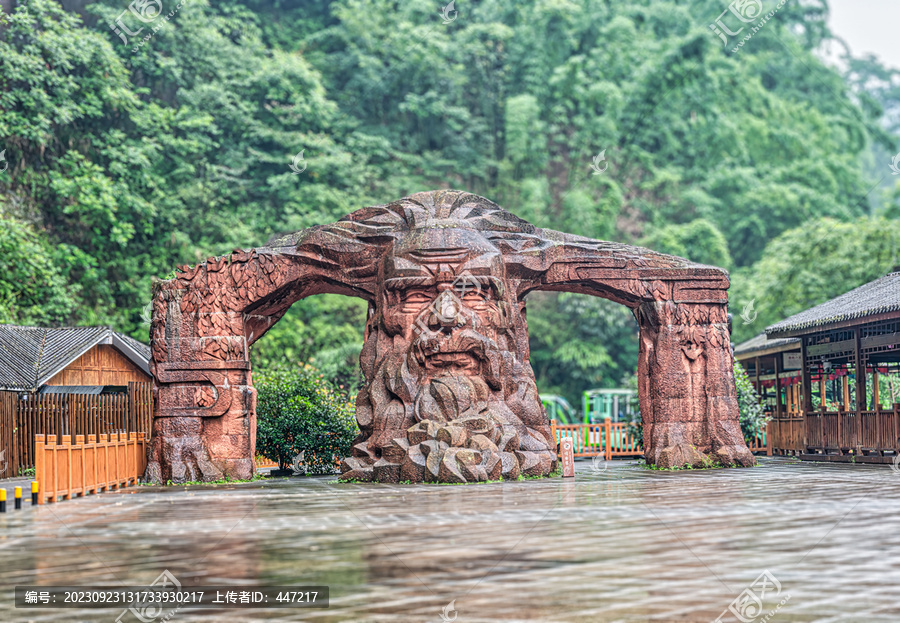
(10,485)
(617,544)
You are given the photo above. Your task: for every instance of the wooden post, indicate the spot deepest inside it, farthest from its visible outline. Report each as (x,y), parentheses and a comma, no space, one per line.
(860,377)
(132,457)
(897,427)
(608,434)
(142,443)
(823,402)
(51,460)
(553,436)
(68,445)
(114,464)
(875,397)
(778,408)
(79,441)
(845,382)
(104,442)
(805,402)
(806,376)
(92,442)
(40,470)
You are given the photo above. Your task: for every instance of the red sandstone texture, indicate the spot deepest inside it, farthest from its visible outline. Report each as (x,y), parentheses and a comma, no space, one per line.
(450,395)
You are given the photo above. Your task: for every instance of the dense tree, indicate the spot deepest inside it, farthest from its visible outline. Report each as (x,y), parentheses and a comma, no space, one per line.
(629,121)
(812,264)
(33,288)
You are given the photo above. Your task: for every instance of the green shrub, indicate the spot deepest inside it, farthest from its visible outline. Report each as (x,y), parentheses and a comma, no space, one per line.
(298,411)
(752,416)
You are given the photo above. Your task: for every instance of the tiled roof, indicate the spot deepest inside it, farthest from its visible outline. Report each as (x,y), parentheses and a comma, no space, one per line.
(761,342)
(140,347)
(31,356)
(876,297)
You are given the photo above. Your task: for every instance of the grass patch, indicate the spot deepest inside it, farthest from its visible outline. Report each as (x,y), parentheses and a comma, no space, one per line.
(707,463)
(221,481)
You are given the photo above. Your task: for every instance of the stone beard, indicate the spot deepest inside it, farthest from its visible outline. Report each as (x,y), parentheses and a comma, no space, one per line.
(449,395)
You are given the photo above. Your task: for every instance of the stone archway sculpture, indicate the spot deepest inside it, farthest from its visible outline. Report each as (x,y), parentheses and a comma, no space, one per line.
(449,393)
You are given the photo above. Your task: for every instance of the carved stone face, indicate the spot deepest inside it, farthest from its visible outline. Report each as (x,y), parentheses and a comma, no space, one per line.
(444,378)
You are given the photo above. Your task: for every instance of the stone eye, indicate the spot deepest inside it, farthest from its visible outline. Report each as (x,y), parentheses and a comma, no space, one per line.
(416,298)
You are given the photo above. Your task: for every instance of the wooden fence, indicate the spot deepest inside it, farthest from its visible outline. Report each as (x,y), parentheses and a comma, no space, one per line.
(760,442)
(875,431)
(9,455)
(59,415)
(262,462)
(613,439)
(69,470)
(787,434)
(608,439)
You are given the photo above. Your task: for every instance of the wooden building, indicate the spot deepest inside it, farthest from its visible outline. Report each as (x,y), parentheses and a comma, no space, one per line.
(68,381)
(844,405)
(34,359)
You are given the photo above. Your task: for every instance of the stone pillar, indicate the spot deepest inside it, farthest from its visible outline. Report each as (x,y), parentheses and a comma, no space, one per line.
(687,390)
(205,406)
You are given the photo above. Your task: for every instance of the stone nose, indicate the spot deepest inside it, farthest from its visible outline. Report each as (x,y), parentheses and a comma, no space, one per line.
(447,311)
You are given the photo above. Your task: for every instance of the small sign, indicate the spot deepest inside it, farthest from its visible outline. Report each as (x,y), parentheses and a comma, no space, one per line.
(568,458)
(792,361)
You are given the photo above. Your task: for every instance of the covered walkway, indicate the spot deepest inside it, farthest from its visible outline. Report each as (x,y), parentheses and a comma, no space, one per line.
(828,376)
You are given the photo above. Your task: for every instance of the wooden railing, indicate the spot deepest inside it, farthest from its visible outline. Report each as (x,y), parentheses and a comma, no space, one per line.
(608,439)
(836,431)
(262,462)
(59,415)
(760,442)
(68,470)
(787,434)
(620,442)
(613,439)
(9,449)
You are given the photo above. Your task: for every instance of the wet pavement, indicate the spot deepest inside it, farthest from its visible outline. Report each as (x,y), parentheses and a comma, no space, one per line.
(10,485)
(617,543)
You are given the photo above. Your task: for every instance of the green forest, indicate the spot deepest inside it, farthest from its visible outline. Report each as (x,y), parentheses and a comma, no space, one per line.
(124,155)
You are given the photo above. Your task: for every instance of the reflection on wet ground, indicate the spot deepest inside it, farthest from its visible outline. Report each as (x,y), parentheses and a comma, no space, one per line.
(617,543)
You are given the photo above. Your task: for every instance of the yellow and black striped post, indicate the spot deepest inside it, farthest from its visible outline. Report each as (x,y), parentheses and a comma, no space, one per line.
(35,487)
(2,500)
(18,495)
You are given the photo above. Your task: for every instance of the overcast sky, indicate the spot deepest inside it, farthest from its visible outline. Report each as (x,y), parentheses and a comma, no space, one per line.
(869,26)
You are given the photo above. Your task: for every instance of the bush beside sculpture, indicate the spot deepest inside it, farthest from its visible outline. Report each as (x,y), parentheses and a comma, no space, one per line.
(298,411)
(752,416)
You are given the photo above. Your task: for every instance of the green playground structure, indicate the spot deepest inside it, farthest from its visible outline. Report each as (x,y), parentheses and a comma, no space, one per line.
(559,409)
(598,405)
(618,405)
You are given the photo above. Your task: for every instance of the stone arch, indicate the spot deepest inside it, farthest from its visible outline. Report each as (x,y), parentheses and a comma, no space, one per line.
(205,319)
